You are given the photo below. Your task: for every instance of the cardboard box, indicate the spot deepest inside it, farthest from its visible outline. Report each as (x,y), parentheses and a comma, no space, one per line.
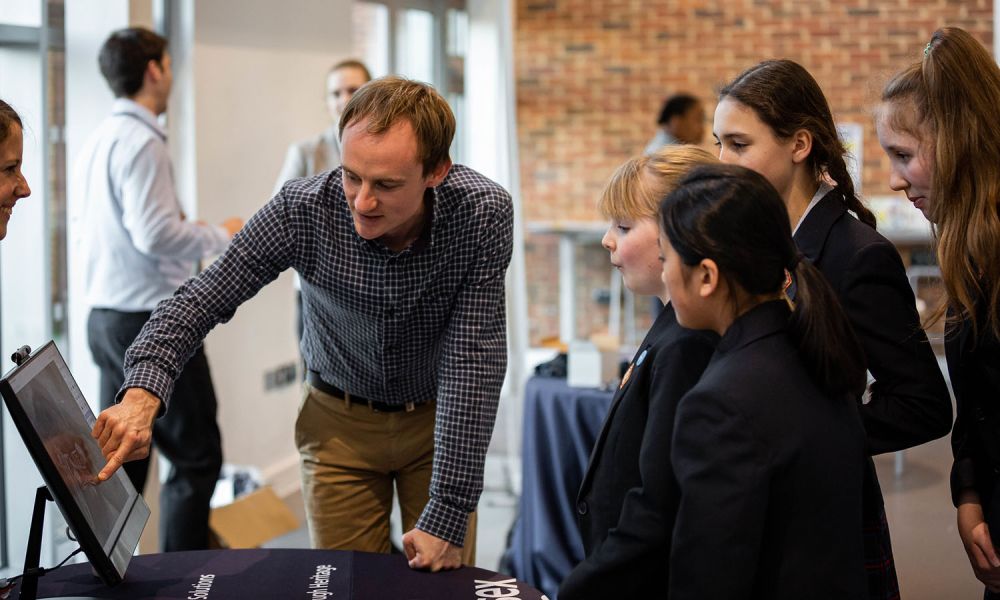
(251,520)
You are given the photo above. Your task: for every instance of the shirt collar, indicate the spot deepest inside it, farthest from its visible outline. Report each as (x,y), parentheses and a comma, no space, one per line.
(824,189)
(125,106)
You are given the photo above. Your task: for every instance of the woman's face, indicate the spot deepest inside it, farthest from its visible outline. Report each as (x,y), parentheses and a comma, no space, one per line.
(340,87)
(910,163)
(634,251)
(13,186)
(743,139)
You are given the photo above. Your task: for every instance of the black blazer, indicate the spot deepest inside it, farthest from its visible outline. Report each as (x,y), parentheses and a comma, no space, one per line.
(628,497)
(974,367)
(770,470)
(909,400)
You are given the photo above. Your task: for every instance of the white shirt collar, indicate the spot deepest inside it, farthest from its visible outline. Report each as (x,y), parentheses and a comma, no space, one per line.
(824,189)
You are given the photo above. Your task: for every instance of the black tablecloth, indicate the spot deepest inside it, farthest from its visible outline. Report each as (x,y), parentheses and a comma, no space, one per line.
(561,425)
(307,574)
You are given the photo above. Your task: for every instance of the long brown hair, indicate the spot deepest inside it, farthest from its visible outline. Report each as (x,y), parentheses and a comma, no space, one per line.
(955,96)
(787,99)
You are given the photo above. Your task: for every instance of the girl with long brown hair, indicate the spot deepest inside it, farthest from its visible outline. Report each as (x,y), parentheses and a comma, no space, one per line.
(939,123)
(774,119)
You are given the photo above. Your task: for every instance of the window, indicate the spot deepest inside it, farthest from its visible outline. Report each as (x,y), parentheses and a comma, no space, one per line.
(420,39)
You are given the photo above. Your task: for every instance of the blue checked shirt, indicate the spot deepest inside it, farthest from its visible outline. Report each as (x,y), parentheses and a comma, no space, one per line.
(427,322)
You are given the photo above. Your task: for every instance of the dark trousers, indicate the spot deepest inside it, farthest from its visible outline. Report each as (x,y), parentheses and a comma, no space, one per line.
(187,435)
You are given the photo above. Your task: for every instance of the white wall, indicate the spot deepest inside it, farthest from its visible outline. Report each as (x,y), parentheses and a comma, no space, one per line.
(249,80)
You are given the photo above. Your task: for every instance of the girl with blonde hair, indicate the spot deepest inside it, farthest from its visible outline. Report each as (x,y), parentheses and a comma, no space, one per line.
(628,498)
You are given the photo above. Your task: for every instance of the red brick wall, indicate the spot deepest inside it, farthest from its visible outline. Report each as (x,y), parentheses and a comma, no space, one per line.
(591,76)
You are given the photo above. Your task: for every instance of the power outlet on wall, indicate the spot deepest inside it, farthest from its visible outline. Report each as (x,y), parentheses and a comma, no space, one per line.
(281,376)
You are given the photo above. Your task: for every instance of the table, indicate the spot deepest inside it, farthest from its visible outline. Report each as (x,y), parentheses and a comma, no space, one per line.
(561,425)
(281,573)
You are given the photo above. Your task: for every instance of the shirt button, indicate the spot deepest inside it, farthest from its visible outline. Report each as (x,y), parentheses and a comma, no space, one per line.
(581,507)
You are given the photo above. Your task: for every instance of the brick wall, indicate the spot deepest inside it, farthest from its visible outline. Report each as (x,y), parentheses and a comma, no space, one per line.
(591,76)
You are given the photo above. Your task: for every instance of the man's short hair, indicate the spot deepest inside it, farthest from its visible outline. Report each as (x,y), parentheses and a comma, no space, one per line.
(124,57)
(676,105)
(386,100)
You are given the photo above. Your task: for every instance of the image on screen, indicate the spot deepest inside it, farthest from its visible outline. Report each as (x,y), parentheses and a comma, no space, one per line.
(55,422)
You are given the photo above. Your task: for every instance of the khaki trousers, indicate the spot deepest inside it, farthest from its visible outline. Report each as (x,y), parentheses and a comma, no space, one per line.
(351,456)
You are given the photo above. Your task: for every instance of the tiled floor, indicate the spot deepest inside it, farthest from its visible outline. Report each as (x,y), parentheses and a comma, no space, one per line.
(930,561)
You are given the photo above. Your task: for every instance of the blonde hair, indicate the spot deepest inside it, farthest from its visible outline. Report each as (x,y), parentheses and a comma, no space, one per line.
(386,100)
(637,187)
(955,96)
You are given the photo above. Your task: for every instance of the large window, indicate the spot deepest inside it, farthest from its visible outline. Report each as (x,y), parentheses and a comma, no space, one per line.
(420,39)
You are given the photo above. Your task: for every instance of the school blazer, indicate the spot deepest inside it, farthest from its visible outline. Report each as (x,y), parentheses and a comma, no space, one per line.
(909,402)
(628,498)
(974,367)
(770,470)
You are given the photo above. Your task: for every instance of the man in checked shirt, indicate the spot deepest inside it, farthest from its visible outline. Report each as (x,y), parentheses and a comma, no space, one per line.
(402,258)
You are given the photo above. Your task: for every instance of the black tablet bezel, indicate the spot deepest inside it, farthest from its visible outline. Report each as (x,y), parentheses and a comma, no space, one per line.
(109,565)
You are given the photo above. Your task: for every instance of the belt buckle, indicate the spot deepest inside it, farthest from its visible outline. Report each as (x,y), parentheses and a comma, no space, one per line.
(410,407)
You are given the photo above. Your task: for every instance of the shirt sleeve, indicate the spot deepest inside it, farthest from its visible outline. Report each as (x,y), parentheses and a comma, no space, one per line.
(909,402)
(474,360)
(258,254)
(152,214)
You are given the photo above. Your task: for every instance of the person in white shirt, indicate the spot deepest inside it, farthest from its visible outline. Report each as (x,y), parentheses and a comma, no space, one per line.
(681,121)
(137,247)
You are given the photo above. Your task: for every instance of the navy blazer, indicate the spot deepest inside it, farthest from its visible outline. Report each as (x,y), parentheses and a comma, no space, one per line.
(974,366)
(629,496)
(909,402)
(770,469)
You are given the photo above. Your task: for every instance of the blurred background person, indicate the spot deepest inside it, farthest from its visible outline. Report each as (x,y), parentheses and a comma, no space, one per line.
(137,249)
(681,121)
(322,152)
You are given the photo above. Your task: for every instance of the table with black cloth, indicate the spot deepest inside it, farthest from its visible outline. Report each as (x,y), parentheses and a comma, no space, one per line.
(561,425)
(274,573)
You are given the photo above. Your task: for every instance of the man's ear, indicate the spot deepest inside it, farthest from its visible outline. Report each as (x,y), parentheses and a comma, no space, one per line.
(707,273)
(436,176)
(154,71)
(802,143)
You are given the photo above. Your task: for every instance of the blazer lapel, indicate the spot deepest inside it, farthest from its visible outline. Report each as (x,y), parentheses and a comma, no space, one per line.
(814,230)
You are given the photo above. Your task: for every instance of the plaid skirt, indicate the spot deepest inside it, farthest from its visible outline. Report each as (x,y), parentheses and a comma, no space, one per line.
(879,566)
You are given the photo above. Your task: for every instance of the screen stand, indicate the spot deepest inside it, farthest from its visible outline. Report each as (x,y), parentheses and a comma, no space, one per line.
(29,582)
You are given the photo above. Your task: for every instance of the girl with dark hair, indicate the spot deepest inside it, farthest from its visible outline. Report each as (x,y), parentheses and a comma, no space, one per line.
(939,122)
(13,185)
(774,119)
(768,449)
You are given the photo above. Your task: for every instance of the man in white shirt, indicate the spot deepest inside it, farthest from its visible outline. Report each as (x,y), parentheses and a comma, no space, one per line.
(137,247)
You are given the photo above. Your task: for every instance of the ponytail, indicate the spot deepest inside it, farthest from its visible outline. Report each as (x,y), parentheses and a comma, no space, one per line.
(823,334)
(786,97)
(735,217)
